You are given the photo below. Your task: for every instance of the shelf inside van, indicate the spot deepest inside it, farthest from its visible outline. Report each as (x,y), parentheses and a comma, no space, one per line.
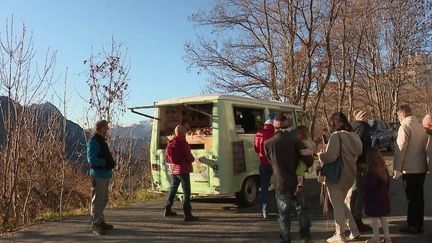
(207,140)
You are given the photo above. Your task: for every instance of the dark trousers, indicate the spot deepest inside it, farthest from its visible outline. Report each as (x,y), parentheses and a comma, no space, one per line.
(184,179)
(357,196)
(413,184)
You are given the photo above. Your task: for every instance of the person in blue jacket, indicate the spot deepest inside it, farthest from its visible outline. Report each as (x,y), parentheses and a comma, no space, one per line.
(101,165)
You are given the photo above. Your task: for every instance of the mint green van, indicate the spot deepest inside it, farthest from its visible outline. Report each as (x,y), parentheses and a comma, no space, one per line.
(221,135)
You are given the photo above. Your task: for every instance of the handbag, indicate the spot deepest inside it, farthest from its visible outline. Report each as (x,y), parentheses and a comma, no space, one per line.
(332,171)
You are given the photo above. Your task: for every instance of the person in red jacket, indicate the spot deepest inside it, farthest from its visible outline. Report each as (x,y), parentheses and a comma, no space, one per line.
(178,155)
(265,168)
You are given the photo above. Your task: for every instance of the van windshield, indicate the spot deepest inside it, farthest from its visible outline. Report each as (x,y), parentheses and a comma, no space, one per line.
(197,119)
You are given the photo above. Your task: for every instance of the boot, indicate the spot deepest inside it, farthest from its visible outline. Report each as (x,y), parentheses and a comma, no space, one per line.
(98,229)
(190,217)
(169,213)
(106,226)
(362,227)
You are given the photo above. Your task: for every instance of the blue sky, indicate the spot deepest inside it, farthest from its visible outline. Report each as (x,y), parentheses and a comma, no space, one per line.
(154,31)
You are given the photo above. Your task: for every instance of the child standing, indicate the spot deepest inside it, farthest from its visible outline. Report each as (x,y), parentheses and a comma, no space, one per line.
(377,200)
(301,168)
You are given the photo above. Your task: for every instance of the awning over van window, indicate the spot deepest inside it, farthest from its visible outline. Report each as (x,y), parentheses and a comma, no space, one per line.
(133,109)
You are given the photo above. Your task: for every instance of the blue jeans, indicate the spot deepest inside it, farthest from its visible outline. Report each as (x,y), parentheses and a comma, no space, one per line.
(184,179)
(265,171)
(285,201)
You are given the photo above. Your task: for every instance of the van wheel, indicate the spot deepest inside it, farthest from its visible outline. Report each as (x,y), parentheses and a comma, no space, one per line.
(248,195)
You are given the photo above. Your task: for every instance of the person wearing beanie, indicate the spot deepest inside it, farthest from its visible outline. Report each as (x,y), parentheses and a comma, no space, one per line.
(178,155)
(360,126)
(265,169)
(283,153)
(361,115)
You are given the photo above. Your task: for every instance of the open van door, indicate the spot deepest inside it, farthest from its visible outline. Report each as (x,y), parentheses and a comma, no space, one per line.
(197,118)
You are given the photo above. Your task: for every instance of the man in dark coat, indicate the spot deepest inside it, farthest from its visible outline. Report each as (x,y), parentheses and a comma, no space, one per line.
(362,128)
(283,152)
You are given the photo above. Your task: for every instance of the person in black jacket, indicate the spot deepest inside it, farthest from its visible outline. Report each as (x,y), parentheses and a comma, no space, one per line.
(283,151)
(362,128)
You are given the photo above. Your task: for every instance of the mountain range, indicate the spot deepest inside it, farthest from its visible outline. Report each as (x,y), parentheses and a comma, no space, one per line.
(75,134)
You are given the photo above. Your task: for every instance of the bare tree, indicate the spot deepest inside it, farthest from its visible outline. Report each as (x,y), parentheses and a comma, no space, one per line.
(278,50)
(108,81)
(289,50)
(108,84)
(396,31)
(32,147)
(19,84)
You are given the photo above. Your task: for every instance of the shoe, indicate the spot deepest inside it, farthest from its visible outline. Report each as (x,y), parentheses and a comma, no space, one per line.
(190,217)
(284,240)
(387,240)
(97,229)
(336,239)
(353,237)
(307,238)
(106,226)
(411,230)
(362,227)
(169,213)
(374,240)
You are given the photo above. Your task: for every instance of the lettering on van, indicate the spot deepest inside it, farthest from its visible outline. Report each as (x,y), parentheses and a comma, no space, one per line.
(239,160)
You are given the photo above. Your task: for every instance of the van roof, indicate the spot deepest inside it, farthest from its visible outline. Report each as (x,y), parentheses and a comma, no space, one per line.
(201,98)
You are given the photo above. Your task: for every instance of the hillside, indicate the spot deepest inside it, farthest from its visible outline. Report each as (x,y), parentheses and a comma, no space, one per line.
(75,134)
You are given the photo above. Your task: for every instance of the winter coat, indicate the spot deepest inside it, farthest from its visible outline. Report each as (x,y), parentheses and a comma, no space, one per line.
(410,153)
(363,130)
(282,150)
(97,156)
(377,200)
(351,149)
(178,155)
(263,135)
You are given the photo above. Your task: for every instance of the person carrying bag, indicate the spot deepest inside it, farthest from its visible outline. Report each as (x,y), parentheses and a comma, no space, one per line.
(332,171)
(344,147)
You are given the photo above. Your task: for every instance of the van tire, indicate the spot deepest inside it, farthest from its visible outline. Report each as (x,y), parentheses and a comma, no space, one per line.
(247,197)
